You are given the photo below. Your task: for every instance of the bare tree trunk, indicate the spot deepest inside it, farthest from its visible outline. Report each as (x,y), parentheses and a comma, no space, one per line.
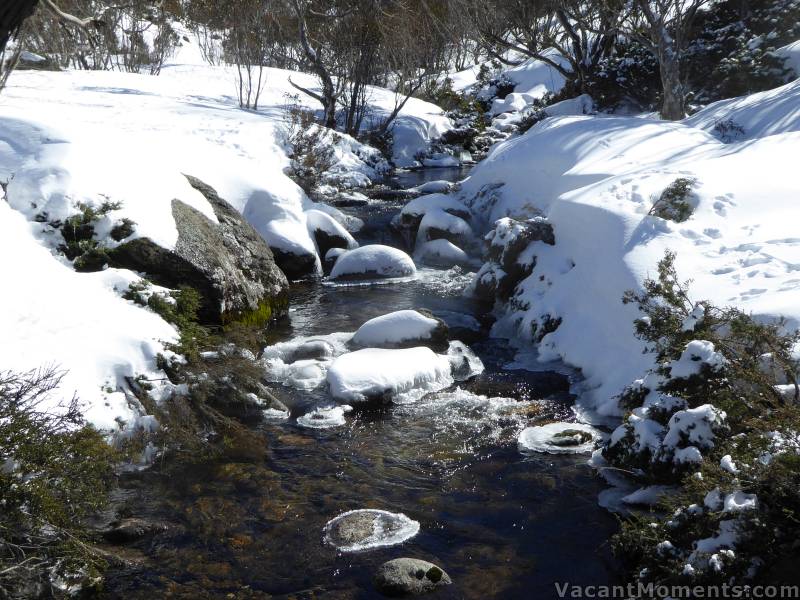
(673,105)
(328,96)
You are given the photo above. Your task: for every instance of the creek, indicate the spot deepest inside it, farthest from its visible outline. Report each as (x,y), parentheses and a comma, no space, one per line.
(501,523)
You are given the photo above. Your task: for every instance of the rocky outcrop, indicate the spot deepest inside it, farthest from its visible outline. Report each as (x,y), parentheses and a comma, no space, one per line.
(506,266)
(228,263)
(409,577)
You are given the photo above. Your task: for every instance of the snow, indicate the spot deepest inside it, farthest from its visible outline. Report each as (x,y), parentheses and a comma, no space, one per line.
(302,363)
(317,220)
(443,221)
(52,316)
(402,375)
(728,465)
(739,501)
(696,354)
(440,253)
(543,438)
(395,328)
(791,52)
(765,113)
(421,206)
(440,186)
(374,260)
(593,178)
(512,103)
(325,417)
(695,425)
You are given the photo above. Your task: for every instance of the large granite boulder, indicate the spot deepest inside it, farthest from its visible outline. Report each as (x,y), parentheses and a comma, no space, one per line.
(228,263)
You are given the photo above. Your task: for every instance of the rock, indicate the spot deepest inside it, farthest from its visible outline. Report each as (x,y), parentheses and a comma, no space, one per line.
(127,531)
(295,266)
(229,264)
(365,529)
(521,385)
(503,270)
(328,233)
(245,401)
(403,329)
(409,577)
(559,438)
(373,262)
(313,350)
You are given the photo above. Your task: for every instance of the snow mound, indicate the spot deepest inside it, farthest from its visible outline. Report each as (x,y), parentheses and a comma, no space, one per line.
(560,438)
(373,261)
(791,52)
(393,329)
(401,375)
(318,221)
(365,529)
(439,223)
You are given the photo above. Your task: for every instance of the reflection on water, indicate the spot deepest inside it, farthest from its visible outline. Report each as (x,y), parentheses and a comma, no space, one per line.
(502,524)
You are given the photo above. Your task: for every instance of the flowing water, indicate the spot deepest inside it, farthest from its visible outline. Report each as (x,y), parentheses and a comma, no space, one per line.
(501,523)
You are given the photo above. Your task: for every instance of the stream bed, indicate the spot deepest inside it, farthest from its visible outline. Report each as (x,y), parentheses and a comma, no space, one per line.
(501,523)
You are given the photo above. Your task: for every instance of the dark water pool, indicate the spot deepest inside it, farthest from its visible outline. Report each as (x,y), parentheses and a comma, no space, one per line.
(502,524)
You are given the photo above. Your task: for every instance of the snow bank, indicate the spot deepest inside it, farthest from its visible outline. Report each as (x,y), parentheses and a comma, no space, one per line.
(594,179)
(402,375)
(52,316)
(791,52)
(759,115)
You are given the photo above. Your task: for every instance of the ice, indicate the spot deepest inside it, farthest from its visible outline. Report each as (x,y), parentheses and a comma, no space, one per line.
(560,438)
(325,417)
(388,529)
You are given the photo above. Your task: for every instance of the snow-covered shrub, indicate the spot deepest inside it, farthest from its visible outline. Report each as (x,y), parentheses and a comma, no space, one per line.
(309,151)
(711,418)
(732,51)
(674,202)
(54,471)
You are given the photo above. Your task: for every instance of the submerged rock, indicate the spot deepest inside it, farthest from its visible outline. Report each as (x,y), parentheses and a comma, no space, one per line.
(560,438)
(365,529)
(409,577)
(228,263)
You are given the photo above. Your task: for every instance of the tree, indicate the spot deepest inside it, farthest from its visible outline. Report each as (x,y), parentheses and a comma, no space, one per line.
(663,26)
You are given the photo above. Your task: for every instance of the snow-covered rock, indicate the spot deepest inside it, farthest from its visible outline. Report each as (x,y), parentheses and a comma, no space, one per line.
(441,253)
(379,374)
(402,329)
(328,233)
(373,262)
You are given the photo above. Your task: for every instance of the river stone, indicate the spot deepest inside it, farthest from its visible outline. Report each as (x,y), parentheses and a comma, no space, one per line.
(312,350)
(365,529)
(409,577)
(228,263)
(127,531)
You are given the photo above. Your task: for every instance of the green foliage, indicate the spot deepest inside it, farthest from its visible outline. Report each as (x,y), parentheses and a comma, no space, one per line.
(54,471)
(674,203)
(80,245)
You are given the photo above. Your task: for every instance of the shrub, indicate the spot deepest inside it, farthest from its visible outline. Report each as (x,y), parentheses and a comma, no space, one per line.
(310,149)
(674,204)
(724,432)
(54,471)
